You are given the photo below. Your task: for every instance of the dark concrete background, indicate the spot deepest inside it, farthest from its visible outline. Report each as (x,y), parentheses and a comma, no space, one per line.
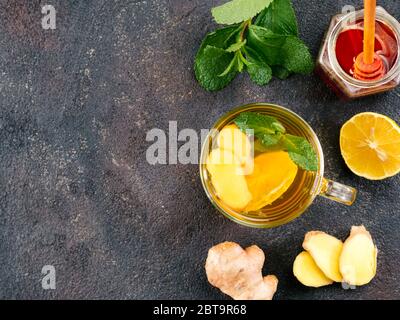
(77,192)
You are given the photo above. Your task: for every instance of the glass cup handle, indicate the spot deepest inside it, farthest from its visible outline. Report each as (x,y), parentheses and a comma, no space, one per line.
(338,192)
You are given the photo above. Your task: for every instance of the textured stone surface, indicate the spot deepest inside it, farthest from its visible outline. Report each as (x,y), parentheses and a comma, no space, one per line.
(77,192)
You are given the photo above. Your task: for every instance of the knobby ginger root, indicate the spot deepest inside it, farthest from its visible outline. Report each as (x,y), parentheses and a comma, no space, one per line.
(237,272)
(358,258)
(307,272)
(228,179)
(325,250)
(233,139)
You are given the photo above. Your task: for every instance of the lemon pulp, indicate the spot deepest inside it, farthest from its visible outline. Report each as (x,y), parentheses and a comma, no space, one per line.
(370,145)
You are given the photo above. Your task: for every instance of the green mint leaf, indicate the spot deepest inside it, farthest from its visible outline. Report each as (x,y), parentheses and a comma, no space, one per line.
(260,73)
(288,52)
(237,11)
(220,38)
(260,123)
(279,17)
(238,62)
(252,54)
(270,140)
(260,147)
(210,64)
(230,66)
(236,46)
(267,44)
(297,57)
(301,152)
(280,72)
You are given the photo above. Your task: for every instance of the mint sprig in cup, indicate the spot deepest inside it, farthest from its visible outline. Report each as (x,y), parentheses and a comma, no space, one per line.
(272,135)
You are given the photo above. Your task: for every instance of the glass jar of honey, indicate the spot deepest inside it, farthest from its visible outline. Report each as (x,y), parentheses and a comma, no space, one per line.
(343,42)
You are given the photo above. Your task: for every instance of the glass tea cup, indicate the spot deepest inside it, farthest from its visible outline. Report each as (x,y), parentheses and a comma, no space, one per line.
(302,192)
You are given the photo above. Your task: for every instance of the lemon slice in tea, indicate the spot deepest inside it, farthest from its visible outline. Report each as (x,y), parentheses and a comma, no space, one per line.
(273,174)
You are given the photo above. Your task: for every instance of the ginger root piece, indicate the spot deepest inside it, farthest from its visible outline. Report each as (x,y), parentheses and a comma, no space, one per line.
(233,139)
(358,258)
(325,250)
(307,272)
(237,272)
(227,178)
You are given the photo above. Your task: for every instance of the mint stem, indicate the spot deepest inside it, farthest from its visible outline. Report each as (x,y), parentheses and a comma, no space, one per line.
(245,26)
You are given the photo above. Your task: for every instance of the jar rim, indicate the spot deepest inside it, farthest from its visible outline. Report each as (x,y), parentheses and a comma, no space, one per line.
(383,17)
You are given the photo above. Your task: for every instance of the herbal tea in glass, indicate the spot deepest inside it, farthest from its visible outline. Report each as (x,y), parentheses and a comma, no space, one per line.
(263,166)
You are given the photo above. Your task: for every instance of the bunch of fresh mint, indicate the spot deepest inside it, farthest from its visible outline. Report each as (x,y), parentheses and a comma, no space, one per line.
(262,38)
(272,135)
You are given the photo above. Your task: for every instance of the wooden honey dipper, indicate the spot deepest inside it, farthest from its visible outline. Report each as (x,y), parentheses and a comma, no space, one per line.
(368,65)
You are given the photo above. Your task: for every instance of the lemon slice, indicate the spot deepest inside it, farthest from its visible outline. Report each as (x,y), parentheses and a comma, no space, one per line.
(370,145)
(273,174)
